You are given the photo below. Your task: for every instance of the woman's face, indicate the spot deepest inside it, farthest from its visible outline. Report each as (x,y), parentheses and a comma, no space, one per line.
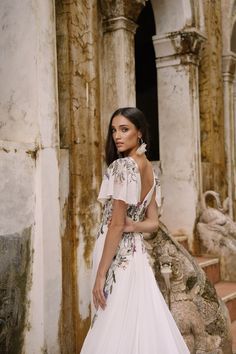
(125,135)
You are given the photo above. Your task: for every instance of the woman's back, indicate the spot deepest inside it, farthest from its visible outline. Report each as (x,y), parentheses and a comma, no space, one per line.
(146,175)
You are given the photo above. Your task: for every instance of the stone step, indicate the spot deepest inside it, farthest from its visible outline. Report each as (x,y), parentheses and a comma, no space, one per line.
(211,267)
(227,291)
(233,329)
(183,240)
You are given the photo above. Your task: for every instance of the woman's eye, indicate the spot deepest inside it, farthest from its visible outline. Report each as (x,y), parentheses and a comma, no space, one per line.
(113,130)
(124,130)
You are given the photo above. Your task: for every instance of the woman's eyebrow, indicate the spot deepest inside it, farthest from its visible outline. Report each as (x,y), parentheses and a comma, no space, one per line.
(120,126)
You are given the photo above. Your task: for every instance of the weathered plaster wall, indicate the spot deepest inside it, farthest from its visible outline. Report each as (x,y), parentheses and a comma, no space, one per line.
(16,188)
(177,58)
(16,222)
(178,153)
(77,38)
(211,102)
(29,220)
(167,20)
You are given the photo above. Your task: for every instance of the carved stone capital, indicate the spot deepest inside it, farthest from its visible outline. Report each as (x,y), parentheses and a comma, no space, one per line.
(178,48)
(229,66)
(121,8)
(117,23)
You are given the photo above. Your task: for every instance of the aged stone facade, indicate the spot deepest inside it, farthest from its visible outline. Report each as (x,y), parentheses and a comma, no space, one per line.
(65,66)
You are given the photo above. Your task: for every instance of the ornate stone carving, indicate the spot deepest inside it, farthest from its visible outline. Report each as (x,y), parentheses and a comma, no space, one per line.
(199,313)
(180,47)
(122,8)
(217,232)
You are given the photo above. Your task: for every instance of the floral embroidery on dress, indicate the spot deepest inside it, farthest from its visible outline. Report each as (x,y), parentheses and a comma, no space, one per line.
(94,319)
(121,172)
(106,216)
(126,249)
(119,168)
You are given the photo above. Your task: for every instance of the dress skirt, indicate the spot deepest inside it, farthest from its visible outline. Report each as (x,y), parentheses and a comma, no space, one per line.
(136,319)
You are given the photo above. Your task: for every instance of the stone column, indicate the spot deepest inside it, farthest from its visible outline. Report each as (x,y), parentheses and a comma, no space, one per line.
(118,65)
(80,161)
(30,244)
(234,131)
(228,71)
(177,57)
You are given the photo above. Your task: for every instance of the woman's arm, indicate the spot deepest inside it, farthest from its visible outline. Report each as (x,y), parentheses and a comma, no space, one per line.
(150,223)
(113,237)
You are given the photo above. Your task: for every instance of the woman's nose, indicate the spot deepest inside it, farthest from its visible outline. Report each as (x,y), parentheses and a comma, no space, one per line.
(117,135)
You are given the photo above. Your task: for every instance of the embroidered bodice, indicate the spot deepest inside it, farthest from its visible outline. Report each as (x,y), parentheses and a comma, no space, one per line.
(122,181)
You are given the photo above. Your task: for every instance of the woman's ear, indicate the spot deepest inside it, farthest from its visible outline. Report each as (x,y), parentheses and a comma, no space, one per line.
(139,135)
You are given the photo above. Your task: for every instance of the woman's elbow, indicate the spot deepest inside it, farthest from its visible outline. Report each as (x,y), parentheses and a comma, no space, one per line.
(155,226)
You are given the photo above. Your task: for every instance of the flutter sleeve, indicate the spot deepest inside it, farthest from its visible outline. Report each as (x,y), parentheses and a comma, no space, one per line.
(121,182)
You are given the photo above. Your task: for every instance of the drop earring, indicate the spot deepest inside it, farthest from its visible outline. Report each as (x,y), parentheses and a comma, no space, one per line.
(142,148)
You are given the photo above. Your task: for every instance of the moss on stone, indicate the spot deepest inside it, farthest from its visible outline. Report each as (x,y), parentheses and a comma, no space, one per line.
(14,273)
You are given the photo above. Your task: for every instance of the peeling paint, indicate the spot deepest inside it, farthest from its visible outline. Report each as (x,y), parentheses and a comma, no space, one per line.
(33,153)
(5,150)
(80,134)
(211,102)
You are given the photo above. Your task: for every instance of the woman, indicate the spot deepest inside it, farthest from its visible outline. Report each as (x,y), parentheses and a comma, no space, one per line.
(129,315)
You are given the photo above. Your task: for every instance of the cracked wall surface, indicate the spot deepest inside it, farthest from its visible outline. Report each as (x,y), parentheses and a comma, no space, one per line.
(211,102)
(77,35)
(29,208)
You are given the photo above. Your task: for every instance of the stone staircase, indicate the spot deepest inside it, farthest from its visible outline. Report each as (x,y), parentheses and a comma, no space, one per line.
(225,290)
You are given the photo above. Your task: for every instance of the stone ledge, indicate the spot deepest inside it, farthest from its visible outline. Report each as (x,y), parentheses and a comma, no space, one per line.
(205,262)
(226,290)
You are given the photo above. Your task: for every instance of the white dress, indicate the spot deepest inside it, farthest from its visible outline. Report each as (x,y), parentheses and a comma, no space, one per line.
(136,319)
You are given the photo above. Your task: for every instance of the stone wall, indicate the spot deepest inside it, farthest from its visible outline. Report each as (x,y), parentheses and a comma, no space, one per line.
(30,281)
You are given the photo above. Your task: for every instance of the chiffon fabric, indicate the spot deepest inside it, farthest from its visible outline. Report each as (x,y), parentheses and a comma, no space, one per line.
(136,319)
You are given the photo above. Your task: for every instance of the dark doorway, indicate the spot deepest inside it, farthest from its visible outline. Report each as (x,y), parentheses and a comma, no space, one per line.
(146,76)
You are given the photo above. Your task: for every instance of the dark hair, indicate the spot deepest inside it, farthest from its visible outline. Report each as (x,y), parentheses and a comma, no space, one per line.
(135,116)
